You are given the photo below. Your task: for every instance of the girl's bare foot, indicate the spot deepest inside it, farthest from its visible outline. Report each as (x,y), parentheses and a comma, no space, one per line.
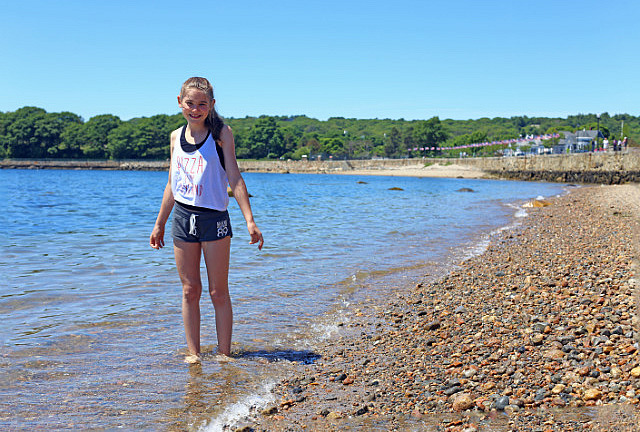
(193,359)
(223,358)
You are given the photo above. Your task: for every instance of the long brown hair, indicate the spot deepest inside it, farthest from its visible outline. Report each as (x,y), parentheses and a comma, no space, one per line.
(214,122)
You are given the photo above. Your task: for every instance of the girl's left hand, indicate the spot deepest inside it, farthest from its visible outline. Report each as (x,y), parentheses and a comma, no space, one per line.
(256,235)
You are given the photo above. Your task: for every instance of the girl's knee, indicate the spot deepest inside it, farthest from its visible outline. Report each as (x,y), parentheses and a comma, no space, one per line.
(191,292)
(219,297)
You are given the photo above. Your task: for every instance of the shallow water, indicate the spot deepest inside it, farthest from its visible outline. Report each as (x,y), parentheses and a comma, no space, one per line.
(91,335)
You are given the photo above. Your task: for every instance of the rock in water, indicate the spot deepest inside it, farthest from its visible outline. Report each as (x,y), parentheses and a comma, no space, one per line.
(537,203)
(541,203)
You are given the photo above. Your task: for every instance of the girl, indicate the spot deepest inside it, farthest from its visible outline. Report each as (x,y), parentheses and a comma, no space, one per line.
(203,162)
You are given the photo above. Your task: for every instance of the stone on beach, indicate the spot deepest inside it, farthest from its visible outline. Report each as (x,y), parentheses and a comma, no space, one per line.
(462,401)
(592,394)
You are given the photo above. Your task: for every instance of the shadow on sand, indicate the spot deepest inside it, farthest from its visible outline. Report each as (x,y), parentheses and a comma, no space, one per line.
(304,357)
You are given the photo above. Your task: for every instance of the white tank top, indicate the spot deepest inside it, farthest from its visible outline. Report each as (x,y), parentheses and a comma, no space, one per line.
(198,178)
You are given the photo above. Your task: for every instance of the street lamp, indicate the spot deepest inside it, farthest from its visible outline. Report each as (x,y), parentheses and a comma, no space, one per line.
(598,133)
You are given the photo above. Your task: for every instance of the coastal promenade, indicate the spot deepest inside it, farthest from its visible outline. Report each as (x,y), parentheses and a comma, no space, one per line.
(598,168)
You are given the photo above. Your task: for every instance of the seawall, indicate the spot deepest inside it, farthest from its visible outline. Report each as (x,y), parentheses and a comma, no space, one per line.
(603,168)
(599,167)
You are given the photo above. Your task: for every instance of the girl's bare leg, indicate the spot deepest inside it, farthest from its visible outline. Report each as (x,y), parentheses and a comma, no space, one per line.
(188,264)
(216,257)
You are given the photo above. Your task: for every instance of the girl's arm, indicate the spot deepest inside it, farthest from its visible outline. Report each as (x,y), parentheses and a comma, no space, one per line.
(156,240)
(238,185)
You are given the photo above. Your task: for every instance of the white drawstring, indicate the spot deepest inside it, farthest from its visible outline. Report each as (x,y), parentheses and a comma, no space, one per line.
(192,225)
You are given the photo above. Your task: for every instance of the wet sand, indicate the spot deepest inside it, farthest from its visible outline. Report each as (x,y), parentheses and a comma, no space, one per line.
(420,170)
(539,333)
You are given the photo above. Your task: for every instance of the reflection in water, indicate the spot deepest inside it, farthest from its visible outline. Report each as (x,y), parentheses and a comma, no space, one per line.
(211,388)
(217,389)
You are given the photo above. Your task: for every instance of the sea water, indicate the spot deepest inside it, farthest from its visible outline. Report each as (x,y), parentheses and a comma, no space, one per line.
(91,334)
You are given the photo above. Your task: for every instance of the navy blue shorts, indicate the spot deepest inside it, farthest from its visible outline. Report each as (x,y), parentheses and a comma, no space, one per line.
(200,226)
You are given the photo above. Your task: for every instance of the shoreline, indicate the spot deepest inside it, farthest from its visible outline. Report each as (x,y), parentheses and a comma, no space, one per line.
(435,171)
(400,168)
(540,331)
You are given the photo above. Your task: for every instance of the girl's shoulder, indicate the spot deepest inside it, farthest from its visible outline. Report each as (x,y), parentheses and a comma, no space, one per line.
(175,135)
(226,131)
(226,134)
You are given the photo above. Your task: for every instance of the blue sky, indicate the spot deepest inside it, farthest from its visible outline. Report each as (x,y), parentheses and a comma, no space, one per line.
(459,59)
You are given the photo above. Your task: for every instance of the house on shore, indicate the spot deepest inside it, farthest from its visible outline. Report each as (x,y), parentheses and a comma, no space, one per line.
(577,142)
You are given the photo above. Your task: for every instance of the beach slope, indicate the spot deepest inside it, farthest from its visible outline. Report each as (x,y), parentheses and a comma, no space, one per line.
(539,332)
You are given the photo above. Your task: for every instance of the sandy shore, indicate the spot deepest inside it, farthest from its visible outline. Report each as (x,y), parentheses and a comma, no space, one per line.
(419,170)
(539,333)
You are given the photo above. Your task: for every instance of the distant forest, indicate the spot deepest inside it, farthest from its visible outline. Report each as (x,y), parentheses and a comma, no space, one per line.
(33,133)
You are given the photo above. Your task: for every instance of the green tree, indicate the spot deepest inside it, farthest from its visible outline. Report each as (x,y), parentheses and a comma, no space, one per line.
(300,151)
(312,143)
(119,141)
(97,135)
(88,140)
(333,147)
(429,134)
(265,138)
(20,135)
(393,144)
(34,133)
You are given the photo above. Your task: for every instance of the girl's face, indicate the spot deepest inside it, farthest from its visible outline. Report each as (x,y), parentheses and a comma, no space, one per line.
(195,105)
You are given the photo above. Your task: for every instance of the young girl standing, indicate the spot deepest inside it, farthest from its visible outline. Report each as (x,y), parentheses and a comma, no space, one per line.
(203,162)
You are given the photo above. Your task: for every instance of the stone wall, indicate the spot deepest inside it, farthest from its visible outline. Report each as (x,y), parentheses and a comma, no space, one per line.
(600,161)
(604,168)
(607,168)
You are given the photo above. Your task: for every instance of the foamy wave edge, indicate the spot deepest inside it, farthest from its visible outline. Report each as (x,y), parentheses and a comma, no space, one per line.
(241,410)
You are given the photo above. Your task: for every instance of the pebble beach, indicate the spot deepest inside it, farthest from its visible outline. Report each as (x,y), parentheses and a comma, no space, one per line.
(537,333)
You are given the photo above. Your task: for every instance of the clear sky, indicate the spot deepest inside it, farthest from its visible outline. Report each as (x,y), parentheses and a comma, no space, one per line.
(458,59)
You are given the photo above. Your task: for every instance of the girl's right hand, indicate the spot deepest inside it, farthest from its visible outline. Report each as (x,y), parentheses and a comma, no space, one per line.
(156,240)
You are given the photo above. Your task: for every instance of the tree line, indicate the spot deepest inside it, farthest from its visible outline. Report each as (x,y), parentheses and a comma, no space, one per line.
(33,133)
